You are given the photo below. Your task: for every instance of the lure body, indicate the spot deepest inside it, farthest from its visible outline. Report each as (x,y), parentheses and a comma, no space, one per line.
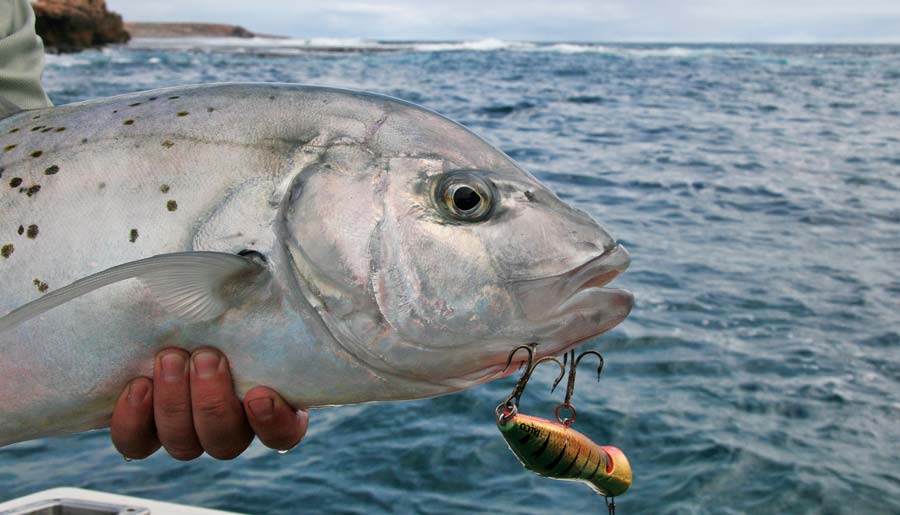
(553,450)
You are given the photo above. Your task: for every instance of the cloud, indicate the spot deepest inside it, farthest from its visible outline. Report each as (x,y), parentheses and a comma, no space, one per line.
(560,20)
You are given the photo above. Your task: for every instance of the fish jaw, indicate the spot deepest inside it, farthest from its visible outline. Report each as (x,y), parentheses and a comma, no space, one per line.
(559,313)
(565,310)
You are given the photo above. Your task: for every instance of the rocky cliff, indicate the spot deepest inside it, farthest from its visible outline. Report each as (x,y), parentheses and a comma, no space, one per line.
(73,25)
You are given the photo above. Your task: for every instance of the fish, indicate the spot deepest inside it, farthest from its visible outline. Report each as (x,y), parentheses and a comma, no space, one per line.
(338,246)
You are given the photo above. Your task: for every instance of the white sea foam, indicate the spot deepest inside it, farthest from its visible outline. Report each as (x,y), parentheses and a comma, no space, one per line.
(477,45)
(302,45)
(65,60)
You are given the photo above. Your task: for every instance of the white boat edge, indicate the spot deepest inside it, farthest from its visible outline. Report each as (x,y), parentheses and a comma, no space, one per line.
(125,503)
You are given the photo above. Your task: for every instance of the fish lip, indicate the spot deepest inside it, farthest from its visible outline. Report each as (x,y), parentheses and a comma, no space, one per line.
(597,272)
(601,270)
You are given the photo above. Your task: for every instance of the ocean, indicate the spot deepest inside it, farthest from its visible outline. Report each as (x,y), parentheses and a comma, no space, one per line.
(758,191)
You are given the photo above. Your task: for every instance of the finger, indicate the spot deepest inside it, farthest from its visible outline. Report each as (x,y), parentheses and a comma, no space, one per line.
(172,405)
(133,432)
(218,415)
(276,423)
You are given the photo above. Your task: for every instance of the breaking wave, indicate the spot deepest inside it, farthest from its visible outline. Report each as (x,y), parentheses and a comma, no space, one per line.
(289,46)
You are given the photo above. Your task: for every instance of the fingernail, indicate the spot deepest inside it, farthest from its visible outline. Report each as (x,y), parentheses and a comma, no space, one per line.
(137,392)
(206,364)
(263,409)
(172,367)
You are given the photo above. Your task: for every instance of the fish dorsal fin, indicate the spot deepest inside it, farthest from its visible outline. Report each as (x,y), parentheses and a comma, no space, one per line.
(194,286)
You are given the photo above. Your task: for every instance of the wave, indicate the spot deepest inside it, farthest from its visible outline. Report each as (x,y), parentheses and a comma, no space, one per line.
(354,45)
(65,60)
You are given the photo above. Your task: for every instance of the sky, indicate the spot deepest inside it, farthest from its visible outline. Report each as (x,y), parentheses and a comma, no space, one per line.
(784,21)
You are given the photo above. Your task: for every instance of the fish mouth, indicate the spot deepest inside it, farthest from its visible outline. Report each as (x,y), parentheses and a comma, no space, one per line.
(563,311)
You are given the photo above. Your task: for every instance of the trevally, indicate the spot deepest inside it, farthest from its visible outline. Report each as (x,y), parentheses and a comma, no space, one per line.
(338,246)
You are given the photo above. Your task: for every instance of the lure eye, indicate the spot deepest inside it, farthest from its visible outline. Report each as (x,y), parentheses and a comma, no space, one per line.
(464,196)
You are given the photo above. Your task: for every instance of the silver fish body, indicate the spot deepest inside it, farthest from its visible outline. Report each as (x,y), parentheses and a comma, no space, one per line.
(391,253)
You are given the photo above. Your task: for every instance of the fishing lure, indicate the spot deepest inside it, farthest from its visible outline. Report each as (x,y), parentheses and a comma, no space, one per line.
(552,448)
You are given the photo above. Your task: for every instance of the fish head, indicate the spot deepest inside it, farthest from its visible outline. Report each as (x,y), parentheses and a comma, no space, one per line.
(457,254)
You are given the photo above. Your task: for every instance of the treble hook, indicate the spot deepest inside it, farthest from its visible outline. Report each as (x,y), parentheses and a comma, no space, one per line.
(573,363)
(511,403)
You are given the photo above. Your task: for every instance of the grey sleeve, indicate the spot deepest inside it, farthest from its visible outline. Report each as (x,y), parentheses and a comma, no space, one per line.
(21,59)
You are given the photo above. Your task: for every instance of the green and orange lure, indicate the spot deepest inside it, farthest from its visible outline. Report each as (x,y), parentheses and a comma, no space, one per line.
(552,448)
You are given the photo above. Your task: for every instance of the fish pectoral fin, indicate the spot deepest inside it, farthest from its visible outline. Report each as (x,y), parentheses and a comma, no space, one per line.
(200,286)
(194,286)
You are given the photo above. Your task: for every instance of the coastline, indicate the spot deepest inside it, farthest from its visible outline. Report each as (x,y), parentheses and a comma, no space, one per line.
(190,30)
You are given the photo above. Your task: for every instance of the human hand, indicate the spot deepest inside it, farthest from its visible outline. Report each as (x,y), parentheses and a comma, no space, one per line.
(190,407)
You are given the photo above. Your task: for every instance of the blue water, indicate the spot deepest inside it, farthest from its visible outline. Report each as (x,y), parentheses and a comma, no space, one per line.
(758,190)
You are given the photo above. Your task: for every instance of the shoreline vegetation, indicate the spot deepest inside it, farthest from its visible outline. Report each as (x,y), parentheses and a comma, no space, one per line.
(68,26)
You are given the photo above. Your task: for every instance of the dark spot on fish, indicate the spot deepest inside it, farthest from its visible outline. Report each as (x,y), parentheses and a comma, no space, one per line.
(164,188)
(151,99)
(33,190)
(37,128)
(35,117)
(7,148)
(51,170)
(101,186)
(60,129)
(13,130)
(115,111)
(529,195)
(134,104)
(168,143)
(41,285)
(183,113)
(84,140)
(47,129)
(271,97)
(7,250)
(15,182)
(21,230)
(133,235)
(171,205)
(210,109)
(173,98)
(128,122)
(37,153)
(32,232)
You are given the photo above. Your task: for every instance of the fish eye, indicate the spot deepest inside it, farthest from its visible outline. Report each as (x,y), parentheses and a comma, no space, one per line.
(466,199)
(464,196)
